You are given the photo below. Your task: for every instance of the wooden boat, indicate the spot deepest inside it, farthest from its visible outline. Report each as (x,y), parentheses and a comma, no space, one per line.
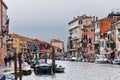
(59,69)
(26,70)
(43,68)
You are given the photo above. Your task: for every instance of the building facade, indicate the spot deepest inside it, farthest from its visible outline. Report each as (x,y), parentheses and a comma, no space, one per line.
(3,37)
(17,43)
(75,46)
(59,47)
(97,37)
(43,48)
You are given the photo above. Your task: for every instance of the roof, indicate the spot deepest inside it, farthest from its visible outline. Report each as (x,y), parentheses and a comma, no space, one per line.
(106,18)
(79,17)
(113,19)
(14,35)
(56,40)
(30,40)
(39,41)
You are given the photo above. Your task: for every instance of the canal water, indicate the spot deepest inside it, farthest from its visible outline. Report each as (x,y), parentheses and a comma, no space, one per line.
(81,71)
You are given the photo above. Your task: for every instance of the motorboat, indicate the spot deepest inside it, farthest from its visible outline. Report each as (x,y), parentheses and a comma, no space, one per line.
(43,68)
(81,59)
(73,59)
(26,69)
(116,61)
(59,69)
(101,59)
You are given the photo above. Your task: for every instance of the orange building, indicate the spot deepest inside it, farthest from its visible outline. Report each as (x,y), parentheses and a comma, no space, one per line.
(90,36)
(105,25)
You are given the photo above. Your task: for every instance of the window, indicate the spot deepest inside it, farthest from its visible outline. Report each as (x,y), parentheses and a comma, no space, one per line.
(102,43)
(108,45)
(90,48)
(113,27)
(80,21)
(92,30)
(20,44)
(97,25)
(108,36)
(90,40)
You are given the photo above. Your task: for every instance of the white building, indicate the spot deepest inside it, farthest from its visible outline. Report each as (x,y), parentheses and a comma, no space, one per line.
(74,46)
(97,36)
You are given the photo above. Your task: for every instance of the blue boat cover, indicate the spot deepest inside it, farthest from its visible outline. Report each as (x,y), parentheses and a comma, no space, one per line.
(2,77)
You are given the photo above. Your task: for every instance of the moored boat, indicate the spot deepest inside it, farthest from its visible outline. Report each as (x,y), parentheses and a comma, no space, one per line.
(73,59)
(116,61)
(43,68)
(101,59)
(26,70)
(59,69)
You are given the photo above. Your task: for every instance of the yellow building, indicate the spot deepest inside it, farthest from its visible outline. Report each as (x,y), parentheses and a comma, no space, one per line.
(17,43)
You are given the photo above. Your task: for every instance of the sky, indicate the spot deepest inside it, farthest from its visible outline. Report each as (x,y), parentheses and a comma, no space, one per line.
(48,19)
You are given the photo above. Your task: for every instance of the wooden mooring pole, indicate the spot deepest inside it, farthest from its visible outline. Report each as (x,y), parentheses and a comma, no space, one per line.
(20,65)
(53,59)
(15,65)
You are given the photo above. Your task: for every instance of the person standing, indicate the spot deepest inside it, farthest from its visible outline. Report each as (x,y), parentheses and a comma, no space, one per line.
(112,57)
(5,60)
(9,60)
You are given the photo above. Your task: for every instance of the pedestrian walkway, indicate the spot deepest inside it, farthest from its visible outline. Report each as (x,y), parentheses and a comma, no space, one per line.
(4,69)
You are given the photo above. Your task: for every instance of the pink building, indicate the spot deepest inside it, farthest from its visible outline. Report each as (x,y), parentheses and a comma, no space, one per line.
(3,19)
(58,44)
(90,37)
(88,42)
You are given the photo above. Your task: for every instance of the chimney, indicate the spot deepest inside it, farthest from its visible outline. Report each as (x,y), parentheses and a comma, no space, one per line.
(96,18)
(93,18)
(74,18)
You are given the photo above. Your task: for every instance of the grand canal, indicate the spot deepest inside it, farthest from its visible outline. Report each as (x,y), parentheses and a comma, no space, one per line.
(81,71)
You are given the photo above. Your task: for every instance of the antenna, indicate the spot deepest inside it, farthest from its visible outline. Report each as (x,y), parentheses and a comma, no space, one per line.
(78,12)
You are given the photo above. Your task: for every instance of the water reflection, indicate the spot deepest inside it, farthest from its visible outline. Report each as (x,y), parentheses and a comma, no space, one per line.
(81,71)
